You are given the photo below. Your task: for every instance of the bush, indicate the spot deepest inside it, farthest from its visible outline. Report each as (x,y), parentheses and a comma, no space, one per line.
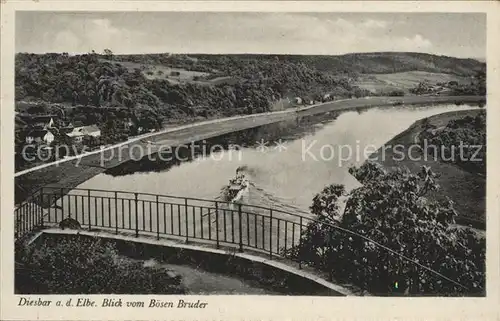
(398,93)
(82,265)
(392,210)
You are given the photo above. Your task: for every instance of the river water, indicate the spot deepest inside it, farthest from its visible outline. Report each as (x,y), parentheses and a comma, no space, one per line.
(287,163)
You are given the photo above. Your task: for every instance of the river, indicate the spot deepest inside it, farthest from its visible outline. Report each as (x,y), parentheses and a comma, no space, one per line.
(287,163)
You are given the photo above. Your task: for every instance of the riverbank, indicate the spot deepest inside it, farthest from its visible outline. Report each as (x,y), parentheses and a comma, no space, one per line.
(75,170)
(466,189)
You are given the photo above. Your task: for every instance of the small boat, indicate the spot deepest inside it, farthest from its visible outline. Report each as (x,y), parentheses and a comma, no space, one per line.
(236,188)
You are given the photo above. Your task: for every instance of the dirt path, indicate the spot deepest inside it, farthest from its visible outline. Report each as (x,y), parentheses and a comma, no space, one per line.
(198,281)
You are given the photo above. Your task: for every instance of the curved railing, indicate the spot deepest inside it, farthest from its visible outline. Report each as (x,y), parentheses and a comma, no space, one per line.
(242,226)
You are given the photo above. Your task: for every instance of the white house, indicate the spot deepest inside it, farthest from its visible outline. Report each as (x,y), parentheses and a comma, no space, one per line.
(39,136)
(79,132)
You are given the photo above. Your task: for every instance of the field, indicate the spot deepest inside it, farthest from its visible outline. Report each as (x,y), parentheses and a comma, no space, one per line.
(151,71)
(405,80)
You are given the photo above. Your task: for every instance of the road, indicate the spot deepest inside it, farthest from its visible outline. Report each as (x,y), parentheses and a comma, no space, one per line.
(63,172)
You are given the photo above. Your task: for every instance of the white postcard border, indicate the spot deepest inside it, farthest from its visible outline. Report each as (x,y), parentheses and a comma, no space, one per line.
(248,307)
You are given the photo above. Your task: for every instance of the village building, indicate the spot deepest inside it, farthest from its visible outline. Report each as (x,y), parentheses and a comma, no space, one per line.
(78,133)
(40,136)
(308,101)
(44,122)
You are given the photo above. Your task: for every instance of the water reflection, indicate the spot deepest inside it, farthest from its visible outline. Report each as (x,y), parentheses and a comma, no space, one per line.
(249,138)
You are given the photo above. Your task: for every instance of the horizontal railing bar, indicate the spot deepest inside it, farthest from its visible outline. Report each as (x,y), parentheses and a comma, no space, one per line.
(172,196)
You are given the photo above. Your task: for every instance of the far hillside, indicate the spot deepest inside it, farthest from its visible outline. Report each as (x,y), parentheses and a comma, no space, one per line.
(367,63)
(126,95)
(384,73)
(407,80)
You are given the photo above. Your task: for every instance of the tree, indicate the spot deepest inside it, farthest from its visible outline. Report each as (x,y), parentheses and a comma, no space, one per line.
(397,92)
(392,210)
(62,144)
(108,53)
(468,131)
(423,87)
(90,141)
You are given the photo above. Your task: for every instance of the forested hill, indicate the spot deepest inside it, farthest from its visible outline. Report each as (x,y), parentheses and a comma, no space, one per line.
(104,89)
(373,63)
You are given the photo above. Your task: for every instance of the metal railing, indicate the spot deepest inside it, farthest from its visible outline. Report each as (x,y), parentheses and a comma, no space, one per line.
(249,226)
(241,226)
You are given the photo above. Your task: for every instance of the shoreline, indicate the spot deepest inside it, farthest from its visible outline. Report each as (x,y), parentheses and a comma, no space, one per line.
(76,170)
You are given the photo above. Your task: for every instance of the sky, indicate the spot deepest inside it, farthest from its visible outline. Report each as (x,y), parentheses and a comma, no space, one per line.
(452,34)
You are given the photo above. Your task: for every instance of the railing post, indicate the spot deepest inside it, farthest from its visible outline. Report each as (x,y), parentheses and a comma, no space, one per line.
(30,217)
(240,227)
(217,222)
(41,207)
(270,233)
(186,219)
(136,216)
(95,211)
(415,282)
(88,208)
(300,243)
(62,203)
(116,212)
(16,217)
(53,204)
(157,219)
(21,220)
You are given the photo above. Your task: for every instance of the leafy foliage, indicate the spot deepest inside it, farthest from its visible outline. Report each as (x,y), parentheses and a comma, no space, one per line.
(392,210)
(81,265)
(467,134)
